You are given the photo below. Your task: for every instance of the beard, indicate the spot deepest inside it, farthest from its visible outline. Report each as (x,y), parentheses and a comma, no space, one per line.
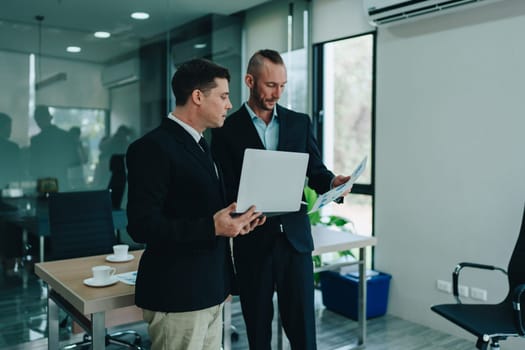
(261,102)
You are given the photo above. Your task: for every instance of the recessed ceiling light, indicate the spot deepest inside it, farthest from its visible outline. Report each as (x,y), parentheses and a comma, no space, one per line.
(102,35)
(73,49)
(199,46)
(140,15)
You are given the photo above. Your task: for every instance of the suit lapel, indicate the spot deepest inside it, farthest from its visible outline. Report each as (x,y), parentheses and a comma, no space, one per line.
(192,148)
(246,132)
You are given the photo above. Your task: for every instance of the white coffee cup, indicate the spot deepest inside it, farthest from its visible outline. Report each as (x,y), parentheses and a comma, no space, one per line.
(102,273)
(120,251)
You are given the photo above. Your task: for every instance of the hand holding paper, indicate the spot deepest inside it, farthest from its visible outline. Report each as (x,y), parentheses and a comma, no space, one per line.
(336,192)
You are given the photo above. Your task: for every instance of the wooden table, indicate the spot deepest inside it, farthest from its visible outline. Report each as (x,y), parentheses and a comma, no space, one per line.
(67,291)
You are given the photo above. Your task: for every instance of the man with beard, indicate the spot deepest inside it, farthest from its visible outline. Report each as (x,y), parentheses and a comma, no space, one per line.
(277,256)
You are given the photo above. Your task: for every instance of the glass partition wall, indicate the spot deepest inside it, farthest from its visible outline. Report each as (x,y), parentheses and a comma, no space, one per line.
(71,96)
(81,107)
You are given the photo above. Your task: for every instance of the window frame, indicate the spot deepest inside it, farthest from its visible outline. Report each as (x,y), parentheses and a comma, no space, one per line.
(318,112)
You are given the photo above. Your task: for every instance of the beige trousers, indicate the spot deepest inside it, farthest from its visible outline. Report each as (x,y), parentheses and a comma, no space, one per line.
(192,330)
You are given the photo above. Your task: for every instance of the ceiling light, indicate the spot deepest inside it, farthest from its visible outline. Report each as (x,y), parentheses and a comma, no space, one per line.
(102,35)
(73,49)
(140,15)
(199,46)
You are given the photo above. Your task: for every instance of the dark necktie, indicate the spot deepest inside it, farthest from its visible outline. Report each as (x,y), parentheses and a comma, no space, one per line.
(206,149)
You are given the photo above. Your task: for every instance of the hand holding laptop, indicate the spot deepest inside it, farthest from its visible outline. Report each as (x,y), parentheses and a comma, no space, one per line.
(232,226)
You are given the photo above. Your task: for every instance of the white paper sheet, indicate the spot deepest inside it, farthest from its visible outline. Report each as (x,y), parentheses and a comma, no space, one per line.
(336,192)
(127,277)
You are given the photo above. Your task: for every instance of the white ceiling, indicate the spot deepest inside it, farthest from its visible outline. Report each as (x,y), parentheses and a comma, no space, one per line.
(73,22)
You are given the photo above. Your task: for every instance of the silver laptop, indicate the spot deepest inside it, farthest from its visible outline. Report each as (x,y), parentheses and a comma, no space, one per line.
(273,181)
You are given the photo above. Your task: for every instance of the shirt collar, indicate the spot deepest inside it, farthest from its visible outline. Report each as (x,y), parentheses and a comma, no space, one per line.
(254,116)
(194,133)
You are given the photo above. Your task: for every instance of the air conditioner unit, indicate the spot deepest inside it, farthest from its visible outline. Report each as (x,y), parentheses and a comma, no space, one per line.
(124,72)
(388,12)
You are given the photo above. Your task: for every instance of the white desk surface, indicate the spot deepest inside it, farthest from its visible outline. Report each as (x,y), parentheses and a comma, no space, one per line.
(327,240)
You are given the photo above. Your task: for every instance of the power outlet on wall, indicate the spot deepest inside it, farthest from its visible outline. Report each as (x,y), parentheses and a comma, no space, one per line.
(444,286)
(478,293)
(463,291)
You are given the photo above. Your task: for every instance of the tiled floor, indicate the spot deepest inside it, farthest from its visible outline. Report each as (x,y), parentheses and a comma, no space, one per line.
(23,325)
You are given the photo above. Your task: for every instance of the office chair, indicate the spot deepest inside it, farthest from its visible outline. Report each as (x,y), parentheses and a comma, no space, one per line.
(117,181)
(492,322)
(81,224)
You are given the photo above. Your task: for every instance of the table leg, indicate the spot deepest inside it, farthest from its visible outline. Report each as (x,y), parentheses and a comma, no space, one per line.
(41,248)
(52,324)
(362,297)
(98,330)
(227,330)
(361,305)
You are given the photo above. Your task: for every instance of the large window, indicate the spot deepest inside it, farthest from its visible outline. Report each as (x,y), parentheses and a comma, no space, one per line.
(91,126)
(343,111)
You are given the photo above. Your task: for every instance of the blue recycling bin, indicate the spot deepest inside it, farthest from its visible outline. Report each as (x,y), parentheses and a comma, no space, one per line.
(340,293)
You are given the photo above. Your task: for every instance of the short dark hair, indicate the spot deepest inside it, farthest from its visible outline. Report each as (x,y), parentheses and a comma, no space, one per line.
(257,60)
(196,74)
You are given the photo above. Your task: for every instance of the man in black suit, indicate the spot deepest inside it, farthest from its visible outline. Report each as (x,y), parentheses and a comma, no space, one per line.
(176,205)
(277,255)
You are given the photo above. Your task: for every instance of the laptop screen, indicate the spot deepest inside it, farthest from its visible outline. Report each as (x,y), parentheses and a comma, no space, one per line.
(273,181)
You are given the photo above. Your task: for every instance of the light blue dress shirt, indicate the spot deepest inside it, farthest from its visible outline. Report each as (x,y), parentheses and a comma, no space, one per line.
(269,134)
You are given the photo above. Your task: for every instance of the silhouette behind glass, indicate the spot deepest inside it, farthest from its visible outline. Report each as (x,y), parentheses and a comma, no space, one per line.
(10,162)
(116,144)
(52,151)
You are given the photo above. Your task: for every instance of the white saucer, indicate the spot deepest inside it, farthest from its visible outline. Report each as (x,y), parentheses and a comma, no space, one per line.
(113,258)
(92,283)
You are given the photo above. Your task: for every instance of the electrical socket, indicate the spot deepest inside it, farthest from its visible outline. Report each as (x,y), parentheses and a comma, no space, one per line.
(463,291)
(478,293)
(444,286)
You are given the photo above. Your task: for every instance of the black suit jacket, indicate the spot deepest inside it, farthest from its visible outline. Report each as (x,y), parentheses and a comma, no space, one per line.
(173,193)
(295,135)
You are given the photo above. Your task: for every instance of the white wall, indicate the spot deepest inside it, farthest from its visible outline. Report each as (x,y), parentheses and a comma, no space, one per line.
(336,19)
(266,28)
(449,160)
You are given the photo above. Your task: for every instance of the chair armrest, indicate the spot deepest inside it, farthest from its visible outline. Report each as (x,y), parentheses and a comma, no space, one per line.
(461,265)
(516,305)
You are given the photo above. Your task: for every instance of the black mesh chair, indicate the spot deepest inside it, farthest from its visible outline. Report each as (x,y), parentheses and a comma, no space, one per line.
(491,323)
(81,224)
